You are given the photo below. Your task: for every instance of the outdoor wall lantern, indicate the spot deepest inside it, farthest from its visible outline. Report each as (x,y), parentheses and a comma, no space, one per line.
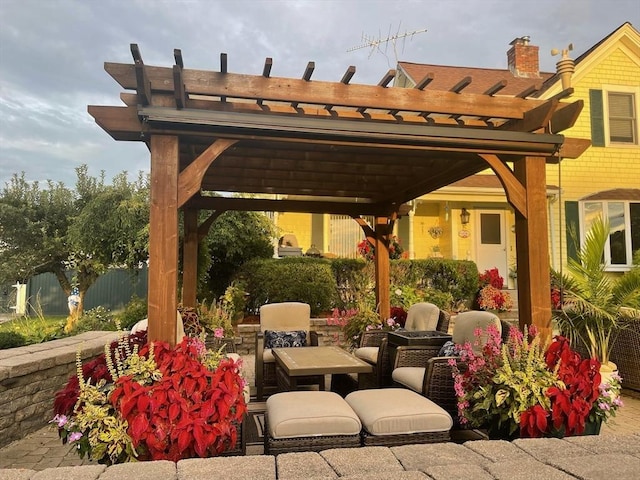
(464,216)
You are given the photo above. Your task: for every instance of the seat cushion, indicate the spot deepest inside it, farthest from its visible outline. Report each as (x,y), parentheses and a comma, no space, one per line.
(310,413)
(368,354)
(468,322)
(396,411)
(410,377)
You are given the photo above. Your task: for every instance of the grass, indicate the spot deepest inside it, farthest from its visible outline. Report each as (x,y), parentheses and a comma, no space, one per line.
(36,329)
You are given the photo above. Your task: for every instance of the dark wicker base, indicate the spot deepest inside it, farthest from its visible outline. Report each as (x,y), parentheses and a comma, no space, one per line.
(275,446)
(404,439)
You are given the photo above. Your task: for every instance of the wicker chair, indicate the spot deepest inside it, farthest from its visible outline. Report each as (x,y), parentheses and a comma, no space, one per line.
(419,368)
(626,355)
(285,316)
(374,349)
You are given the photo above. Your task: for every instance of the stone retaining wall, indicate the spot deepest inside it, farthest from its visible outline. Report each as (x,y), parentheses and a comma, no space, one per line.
(30,376)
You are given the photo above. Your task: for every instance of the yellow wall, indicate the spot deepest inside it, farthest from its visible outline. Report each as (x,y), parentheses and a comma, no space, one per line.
(298,224)
(599,168)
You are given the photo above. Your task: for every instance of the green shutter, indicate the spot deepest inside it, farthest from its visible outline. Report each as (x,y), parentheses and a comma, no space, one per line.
(572,222)
(597,118)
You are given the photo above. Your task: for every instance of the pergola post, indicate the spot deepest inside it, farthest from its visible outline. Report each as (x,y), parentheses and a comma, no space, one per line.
(534,283)
(190,258)
(381,260)
(163,239)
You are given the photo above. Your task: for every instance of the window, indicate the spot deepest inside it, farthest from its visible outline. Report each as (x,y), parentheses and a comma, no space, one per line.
(614,116)
(624,223)
(622,120)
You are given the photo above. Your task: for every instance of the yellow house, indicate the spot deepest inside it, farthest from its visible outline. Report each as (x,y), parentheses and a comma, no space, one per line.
(471,219)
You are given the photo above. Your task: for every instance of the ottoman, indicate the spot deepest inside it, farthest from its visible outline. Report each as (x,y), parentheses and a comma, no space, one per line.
(309,421)
(397,416)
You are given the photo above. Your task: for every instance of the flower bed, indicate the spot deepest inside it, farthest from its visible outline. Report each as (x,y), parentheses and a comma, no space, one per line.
(143,401)
(524,388)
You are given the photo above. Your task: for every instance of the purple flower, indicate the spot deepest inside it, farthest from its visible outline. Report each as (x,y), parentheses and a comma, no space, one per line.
(60,420)
(75,436)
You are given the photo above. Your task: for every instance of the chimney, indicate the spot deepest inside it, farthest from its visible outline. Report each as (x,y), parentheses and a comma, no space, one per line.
(522,59)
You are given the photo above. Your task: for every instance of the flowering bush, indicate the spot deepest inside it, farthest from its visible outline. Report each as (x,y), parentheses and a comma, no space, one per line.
(608,401)
(152,402)
(367,251)
(522,388)
(358,320)
(490,298)
(492,277)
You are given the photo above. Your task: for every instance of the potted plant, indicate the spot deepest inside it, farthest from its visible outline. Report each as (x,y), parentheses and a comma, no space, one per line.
(590,305)
(148,401)
(523,388)
(491,297)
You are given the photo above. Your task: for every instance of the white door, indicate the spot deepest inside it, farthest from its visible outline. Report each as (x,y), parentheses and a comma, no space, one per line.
(491,244)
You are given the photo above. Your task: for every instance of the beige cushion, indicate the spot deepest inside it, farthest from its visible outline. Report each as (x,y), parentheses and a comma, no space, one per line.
(410,377)
(310,413)
(422,316)
(285,316)
(368,354)
(394,411)
(467,322)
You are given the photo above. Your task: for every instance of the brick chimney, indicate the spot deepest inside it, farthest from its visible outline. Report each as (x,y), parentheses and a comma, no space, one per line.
(523,59)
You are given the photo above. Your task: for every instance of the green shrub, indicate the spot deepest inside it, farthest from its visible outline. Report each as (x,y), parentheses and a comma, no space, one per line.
(98,318)
(11,340)
(133,312)
(299,279)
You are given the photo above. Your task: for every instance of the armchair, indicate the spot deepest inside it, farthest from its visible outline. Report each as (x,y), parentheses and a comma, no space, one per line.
(419,367)
(278,317)
(374,349)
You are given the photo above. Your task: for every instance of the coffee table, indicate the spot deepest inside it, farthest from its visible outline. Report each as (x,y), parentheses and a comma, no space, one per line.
(293,364)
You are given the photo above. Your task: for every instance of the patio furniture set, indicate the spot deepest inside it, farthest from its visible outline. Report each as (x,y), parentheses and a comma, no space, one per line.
(395,389)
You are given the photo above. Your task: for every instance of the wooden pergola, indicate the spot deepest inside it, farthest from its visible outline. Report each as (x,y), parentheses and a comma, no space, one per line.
(302,145)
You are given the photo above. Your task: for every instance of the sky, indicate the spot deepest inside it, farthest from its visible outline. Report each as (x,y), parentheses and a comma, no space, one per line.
(52,55)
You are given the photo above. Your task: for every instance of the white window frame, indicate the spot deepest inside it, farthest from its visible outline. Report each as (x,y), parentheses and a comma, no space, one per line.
(627,225)
(635,91)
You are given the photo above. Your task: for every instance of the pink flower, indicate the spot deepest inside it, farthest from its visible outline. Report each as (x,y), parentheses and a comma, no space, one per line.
(60,420)
(75,436)
(218,332)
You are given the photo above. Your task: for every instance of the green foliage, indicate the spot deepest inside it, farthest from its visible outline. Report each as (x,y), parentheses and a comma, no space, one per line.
(596,304)
(54,229)
(133,312)
(358,323)
(11,340)
(299,279)
(355,280)
(235,238)
(98,318)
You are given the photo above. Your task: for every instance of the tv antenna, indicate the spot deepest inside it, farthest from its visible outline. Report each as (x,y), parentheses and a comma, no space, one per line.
(375,43)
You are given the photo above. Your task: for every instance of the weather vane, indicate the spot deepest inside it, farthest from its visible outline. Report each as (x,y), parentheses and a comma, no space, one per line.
(374,43)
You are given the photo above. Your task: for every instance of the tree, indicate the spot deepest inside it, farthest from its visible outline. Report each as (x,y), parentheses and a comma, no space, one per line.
(88,230)
(234,238)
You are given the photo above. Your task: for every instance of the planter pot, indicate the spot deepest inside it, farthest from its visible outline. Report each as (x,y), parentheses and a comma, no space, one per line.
(606,370)
(592,428)
(502,433)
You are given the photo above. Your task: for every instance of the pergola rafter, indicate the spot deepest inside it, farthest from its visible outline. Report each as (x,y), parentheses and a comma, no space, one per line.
(312,146)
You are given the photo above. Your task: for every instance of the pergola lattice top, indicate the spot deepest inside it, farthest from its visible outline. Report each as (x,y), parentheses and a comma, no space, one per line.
(373,145)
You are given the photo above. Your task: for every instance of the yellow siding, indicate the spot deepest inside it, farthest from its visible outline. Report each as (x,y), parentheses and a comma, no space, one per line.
(599,168)
(298,224)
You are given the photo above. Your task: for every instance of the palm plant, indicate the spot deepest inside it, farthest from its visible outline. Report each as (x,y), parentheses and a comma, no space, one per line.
(596,304)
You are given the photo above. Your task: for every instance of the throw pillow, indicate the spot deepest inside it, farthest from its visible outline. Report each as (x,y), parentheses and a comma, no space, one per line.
(295,338)
(448,349)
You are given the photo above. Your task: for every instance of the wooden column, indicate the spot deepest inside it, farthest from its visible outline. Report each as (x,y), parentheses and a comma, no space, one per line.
(532,247)
(190,258)
(163,239)
(382,267)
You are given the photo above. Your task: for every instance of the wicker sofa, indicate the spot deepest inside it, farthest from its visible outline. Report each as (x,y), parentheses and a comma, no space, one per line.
(626,355)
